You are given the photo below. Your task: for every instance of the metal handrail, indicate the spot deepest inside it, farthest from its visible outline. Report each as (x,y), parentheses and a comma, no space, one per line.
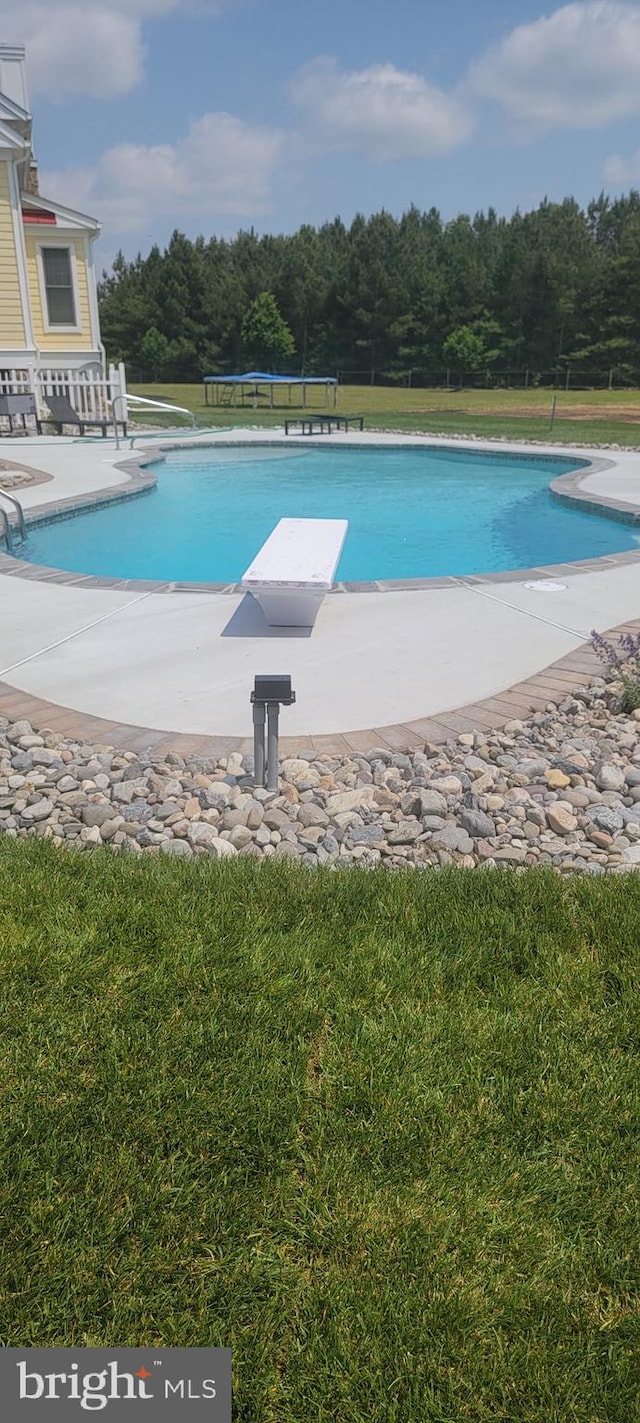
(155,404)
(17,505)
(123,418)
(7,529)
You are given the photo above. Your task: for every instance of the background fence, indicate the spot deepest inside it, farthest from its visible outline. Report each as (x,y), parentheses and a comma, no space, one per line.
(566,378)
(527,379)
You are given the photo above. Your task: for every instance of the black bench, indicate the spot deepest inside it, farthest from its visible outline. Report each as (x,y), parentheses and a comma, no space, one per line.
(323,424)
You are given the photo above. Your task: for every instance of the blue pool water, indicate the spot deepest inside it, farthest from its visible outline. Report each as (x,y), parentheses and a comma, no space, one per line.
(413,513)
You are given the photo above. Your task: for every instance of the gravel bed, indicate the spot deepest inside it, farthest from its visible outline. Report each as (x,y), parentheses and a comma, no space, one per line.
(561,789)
(559,445)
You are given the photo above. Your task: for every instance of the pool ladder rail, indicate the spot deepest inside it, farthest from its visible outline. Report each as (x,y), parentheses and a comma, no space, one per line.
(6,529)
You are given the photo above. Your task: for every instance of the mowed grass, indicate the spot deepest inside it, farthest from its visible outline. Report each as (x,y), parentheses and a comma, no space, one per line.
(376,1132)
(582,417)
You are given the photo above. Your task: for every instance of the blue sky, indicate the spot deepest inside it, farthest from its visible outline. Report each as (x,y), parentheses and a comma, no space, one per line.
(220,114)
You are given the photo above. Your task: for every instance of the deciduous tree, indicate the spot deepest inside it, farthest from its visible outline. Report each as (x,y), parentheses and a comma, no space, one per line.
(266,337)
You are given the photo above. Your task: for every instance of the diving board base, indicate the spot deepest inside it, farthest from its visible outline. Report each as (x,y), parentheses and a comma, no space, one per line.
(289,609)
(295,568)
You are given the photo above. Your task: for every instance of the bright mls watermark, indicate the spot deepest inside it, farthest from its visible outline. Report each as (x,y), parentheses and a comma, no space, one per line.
(170,1385)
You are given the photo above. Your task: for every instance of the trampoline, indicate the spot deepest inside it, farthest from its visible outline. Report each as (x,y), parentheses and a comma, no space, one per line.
(255,387)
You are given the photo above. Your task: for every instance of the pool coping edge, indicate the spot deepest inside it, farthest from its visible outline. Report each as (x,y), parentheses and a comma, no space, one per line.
(517,702)
(565,488)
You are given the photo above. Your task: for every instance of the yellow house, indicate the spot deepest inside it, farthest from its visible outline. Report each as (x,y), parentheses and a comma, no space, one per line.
(49,323)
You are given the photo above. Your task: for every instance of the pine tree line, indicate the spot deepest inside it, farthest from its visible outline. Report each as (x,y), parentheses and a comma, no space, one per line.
(537,292)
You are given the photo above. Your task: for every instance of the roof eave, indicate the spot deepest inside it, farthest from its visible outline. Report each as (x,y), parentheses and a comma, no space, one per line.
(68,216)
(12,145)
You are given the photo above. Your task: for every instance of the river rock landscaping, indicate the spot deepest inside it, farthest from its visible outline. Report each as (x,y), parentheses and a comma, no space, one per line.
(560,789)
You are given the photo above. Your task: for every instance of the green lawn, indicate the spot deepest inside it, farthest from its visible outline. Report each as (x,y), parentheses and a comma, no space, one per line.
(583,417)
(376,1132)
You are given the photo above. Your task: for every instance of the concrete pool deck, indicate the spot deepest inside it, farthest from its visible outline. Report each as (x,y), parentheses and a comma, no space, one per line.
(139,664)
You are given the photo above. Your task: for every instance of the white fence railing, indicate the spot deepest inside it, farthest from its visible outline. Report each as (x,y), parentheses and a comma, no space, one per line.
(90,394)
(15,382)
(89,391)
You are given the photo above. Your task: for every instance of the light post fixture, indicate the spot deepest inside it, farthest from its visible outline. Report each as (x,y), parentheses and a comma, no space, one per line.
(268,695)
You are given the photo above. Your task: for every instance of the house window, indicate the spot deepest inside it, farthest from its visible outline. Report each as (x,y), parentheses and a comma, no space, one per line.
(58,282)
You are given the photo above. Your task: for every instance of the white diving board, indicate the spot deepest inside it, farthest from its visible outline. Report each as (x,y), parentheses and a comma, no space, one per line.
(294,569)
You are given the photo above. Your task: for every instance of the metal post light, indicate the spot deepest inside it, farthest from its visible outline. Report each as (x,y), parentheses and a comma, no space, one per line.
(268,695)
(258,741)
(273,712)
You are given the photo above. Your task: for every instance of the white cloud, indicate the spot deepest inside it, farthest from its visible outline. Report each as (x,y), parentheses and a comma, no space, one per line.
(222,166)
(623,172)
(382,112)
(576,68)
(92,47)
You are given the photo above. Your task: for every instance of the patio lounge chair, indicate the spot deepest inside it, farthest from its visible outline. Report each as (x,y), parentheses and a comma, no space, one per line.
(19,407)
(62,413)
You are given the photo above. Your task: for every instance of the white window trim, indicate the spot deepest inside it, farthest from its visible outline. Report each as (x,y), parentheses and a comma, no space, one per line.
(47,326)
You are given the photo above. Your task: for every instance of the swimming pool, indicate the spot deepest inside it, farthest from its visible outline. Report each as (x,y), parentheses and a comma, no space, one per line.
(414,512)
